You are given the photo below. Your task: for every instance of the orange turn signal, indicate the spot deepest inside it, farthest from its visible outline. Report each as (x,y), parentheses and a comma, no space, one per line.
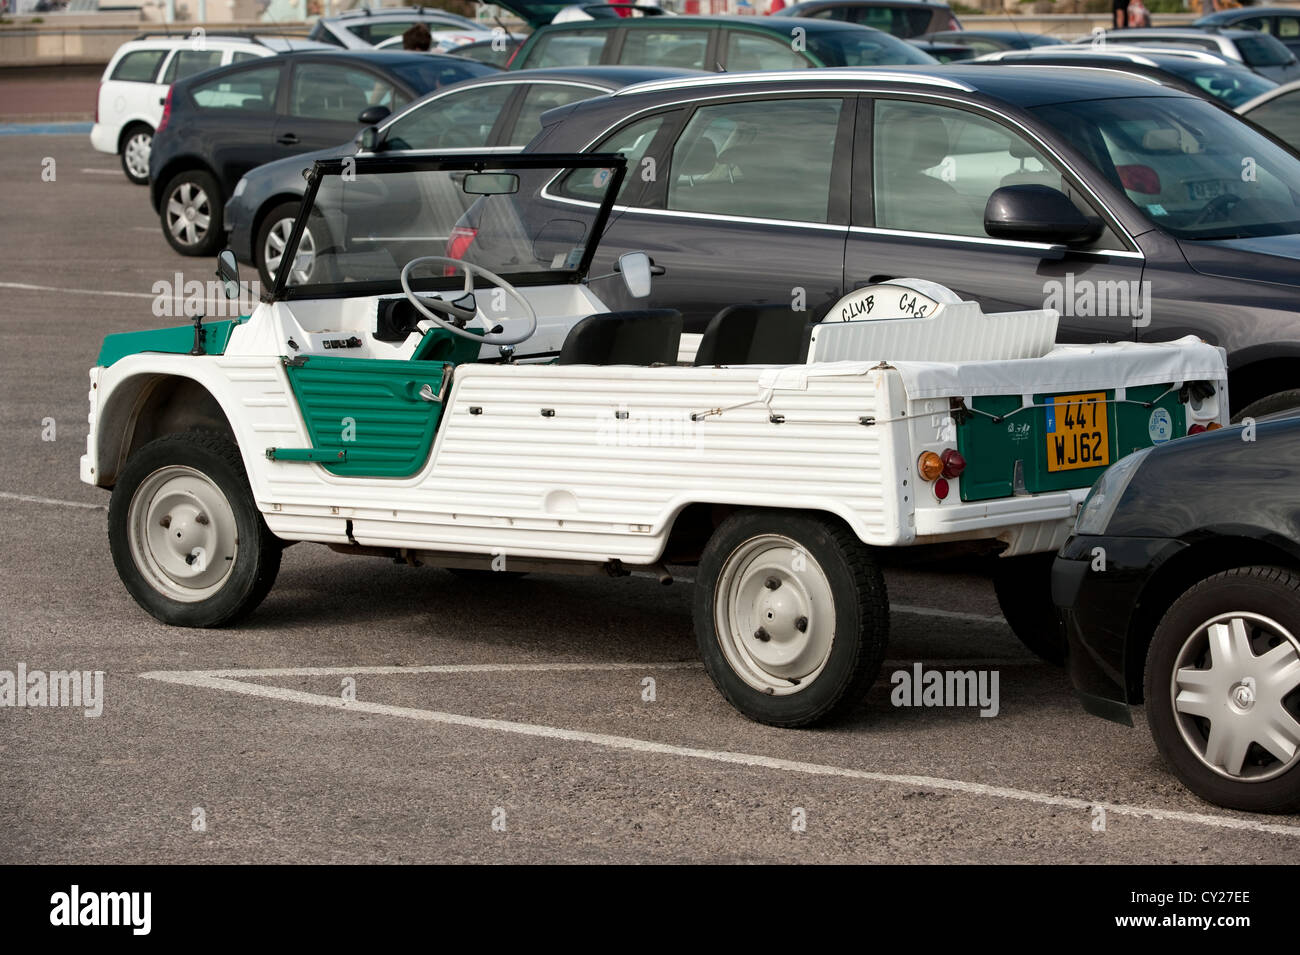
(929,465)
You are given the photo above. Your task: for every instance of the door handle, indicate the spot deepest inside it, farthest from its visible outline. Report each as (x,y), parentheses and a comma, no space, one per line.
(288,139)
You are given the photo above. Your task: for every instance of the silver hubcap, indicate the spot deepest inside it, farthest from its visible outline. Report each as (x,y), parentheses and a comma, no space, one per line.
(1234,696)
(775,615)
(273,251)
(182,534)
(136,154)
(189,213)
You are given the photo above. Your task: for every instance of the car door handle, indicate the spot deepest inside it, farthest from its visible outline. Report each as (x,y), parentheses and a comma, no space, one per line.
(288,139)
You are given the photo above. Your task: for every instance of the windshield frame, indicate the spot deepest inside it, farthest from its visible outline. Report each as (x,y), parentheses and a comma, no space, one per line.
(391,165)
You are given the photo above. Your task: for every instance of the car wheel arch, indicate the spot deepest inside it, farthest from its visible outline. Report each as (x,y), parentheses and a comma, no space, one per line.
(1262,371)
(129,128)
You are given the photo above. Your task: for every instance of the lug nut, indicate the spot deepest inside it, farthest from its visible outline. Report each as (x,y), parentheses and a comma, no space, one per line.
(801,624)
(761,635)
(771,583)
(201,519)
(166,521)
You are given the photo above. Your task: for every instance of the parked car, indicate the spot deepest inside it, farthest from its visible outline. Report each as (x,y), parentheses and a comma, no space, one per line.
(129,103)
(498,112)
(1280,22)
(1226,82)
(902,18)
(1278,111)
(495,52)
(217,126)
(364,28)
(990,41)
(1180,589)
(733,44)
(1259,51)
(449,43)
(765,188)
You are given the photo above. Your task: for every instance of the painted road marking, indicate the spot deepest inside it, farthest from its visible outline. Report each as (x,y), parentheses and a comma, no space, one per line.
(104,172)
(74,291)
(33,499)
(207,679)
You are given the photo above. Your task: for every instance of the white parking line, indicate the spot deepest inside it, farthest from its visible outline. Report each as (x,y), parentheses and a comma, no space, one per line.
(74,291)
(208,680)
(33,499)
(103,172)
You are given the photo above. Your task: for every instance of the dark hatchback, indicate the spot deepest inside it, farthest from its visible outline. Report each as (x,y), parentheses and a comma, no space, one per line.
(1181,588)
(218,125)
(796,188)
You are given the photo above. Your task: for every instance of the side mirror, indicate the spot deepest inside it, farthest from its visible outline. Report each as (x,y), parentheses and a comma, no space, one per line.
(1036,213)
(636,269)
(228,272)
(373,114)
(368,139)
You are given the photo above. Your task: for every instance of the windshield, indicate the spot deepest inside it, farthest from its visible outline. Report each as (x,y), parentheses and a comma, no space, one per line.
(366,218)
(1263,50)
(1192,168)
(863,48)
(1228,84)
(433,73)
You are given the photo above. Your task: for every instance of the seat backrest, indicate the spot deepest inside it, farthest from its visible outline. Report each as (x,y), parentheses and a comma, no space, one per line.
(636,337)
(755,335)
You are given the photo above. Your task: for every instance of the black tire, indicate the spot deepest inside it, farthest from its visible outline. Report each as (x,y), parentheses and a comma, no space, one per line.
(128,152)
(256,551)
(1270,592)
(205,200)
(824,557)
(1023,586)
(1273,404)
(315,233)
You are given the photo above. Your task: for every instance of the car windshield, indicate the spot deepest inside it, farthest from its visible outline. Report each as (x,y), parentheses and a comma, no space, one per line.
(1228,84)
(368,217)
(863,48)
(432,73)
(1192,168)
(1263,50)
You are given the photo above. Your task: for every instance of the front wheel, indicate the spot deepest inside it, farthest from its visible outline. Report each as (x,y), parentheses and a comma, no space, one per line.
(273,237)
(187,538)
(791,616)
(1223,689)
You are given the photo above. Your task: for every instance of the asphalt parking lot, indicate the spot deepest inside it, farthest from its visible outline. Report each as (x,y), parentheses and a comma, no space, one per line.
(503,721)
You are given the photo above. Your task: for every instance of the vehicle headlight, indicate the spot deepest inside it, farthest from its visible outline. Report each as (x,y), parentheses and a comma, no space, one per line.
(240,187)
(1099,507)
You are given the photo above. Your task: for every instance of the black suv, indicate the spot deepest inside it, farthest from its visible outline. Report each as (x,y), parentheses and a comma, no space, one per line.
(218,125)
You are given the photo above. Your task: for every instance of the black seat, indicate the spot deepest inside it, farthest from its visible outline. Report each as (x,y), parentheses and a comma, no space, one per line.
(636,337)
(755,335)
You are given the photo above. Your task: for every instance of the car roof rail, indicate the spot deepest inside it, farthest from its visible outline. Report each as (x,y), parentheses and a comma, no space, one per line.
(784,76)
(246,35)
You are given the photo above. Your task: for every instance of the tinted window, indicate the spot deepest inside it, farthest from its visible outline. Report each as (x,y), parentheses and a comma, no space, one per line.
(138,66)
(252,90)
(771,160)
(1254,23)
(1281,117)
(1231,84)
(188,62)
(935,167)
(633,141)
(339,93)
(539,99)
(853,48)
(900,21)
(748,51)
(684,49)
(1263,51)
(424,74)
(570,48)
(457,120)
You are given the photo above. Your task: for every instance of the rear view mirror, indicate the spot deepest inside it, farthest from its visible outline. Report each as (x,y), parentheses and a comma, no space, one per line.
(228,272)
(373,114)
(635,267)
(491,183)
(1037,213)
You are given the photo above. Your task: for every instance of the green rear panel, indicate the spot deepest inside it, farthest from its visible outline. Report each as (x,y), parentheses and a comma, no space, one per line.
(178,340)
(991,449)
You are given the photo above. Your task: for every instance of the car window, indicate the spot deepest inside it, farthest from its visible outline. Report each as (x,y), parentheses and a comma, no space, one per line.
(934,167)
(138,66)
(250,90)
(633,141)
(771,160)
(569,48)
(1233,85)
(1254,23)
(241,56)
(1263,50)
(188,62)
(379,32)
(679,48)
(902,22)
(1288,27)
(339,93)
(1281,117)
(457,120)
(537,100)
(863,48)
(747,52)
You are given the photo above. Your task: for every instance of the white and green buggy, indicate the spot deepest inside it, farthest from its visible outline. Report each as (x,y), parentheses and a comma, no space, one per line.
(484,411)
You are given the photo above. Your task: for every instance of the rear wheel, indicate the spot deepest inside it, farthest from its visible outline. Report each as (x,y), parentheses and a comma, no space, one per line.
(186,536)
(191,213)
(1281,403)
(137,143)
(273,238)
(1023,586)
(791,616)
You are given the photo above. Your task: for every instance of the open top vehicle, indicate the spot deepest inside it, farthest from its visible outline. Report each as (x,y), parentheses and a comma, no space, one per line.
(416,402)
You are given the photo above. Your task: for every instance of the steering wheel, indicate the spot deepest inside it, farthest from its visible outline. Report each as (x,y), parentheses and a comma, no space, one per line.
(460,312)
(1215,207)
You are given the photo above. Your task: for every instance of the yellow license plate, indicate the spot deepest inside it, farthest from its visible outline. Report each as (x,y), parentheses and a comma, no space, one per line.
(1077,433)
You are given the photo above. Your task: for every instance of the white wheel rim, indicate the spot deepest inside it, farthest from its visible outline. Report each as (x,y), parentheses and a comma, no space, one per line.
(1229,691)
(273,251)
(136,154)
(775,615)
(189,214)
(182,534)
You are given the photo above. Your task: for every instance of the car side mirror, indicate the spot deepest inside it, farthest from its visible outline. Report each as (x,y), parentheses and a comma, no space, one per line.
(1036,213)
(228,272)
(637,270)
(373,114)
(368,139)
